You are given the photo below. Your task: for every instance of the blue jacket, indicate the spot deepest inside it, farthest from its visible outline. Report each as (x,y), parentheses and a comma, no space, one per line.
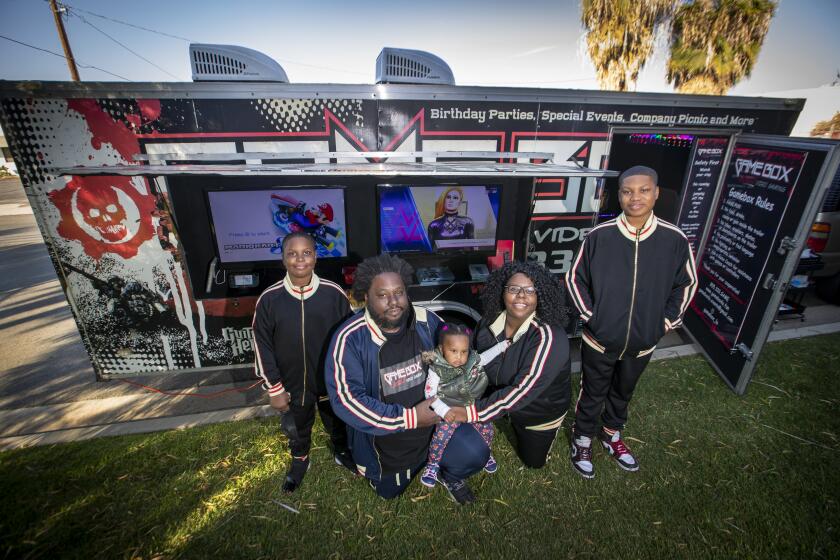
(352,378)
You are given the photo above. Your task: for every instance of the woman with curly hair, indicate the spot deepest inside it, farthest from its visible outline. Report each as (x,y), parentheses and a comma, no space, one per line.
(530,380)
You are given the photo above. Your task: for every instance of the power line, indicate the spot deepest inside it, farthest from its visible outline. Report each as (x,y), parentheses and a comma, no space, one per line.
(138,55)
(74,9)
(287,61)
(130,24)
(64,57)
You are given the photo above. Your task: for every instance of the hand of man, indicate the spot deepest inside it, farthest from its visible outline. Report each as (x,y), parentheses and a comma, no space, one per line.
(280,402)
(450,416)
(459,413)
(425,415)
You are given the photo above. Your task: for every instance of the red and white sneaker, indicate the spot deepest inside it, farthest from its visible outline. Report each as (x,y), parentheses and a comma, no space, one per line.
(618,451)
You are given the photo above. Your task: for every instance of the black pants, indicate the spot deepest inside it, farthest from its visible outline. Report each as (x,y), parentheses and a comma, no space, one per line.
(606,387)
(392,484)
(304,416)
(533,446)
(466,454)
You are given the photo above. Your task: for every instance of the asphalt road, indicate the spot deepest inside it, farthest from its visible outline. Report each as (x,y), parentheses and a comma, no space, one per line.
(41,354)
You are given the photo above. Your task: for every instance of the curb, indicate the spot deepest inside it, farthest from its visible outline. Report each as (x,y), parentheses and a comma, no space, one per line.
(135,427)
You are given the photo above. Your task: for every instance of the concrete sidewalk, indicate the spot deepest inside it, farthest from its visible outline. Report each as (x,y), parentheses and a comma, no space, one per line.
(48,391)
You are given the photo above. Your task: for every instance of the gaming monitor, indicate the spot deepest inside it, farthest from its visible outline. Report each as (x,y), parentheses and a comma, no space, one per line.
(438,218)
(249,225)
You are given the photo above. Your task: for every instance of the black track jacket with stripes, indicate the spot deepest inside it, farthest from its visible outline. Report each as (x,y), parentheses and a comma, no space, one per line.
(530,381)
(631,285)
(292,329)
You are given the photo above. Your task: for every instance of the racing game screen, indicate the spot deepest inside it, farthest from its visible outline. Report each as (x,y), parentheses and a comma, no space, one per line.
(429,219)
(250,225)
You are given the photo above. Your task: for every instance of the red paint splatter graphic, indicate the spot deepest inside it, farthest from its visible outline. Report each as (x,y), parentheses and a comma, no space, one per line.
(105,214)
(104,129)
(149,108)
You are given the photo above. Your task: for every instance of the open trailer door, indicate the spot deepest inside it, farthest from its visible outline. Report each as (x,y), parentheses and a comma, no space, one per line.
(771,190)
(689,163)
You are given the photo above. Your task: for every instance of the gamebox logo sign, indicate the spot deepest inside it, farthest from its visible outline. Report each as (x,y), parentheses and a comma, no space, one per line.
(763,169)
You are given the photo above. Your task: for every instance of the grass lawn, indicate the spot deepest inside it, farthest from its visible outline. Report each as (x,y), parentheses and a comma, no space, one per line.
(722,476)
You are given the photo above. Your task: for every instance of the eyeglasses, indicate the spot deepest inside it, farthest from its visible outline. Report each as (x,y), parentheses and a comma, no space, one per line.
(516,290)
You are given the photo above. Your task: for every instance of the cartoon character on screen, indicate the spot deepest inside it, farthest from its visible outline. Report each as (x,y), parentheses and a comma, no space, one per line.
(291,215)
(448,224)
(320,216)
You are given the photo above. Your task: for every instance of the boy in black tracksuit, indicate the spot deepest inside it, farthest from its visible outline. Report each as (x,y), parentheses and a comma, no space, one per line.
(631,281)
(293,323)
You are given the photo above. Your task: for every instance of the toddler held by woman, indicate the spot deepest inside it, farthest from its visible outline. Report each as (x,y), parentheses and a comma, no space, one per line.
(456,377)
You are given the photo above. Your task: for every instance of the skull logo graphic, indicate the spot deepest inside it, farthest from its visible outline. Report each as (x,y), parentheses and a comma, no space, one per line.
(106,214)
(103,212)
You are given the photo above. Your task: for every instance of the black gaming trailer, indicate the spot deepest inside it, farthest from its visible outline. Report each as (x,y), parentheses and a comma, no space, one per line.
(128,184)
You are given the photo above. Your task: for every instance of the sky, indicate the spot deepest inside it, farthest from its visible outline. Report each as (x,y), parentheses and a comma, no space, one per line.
(530,43)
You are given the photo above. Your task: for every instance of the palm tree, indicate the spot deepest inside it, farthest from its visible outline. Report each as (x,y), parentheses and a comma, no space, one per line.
(715,43)
(620,37)
(829,128)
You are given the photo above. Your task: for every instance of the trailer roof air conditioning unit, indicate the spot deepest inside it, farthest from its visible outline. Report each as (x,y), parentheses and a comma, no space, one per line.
(406,66)
(231,63)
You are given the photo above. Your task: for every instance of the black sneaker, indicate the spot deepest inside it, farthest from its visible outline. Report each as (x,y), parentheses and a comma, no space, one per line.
(458,491)
(345,459)
(582,457)
(294,477)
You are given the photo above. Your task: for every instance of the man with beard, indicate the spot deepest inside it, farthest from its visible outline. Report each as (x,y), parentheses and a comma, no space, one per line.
(375,380)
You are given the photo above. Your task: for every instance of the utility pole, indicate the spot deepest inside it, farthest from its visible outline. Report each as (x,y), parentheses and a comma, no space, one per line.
(68,54)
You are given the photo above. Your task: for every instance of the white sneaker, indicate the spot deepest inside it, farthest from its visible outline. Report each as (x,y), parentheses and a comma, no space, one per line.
(619,451)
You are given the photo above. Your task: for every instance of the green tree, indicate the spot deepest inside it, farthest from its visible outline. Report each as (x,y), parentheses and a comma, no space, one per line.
(620,37)
(715,43)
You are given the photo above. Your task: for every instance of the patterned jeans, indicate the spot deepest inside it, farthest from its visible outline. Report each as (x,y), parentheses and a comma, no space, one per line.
(444,431)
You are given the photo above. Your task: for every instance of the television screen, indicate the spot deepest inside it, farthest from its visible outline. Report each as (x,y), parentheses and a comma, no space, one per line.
(250,225)
(436,218)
